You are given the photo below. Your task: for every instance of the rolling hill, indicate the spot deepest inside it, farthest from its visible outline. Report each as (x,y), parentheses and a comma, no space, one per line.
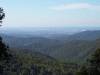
(73,47)
(85,35)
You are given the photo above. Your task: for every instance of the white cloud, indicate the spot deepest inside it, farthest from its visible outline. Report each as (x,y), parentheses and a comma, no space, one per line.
(75,6)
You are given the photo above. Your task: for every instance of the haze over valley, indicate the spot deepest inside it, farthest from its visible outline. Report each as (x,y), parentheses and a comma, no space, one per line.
(70,43)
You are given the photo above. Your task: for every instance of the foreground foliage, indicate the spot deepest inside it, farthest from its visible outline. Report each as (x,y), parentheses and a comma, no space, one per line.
(93,65)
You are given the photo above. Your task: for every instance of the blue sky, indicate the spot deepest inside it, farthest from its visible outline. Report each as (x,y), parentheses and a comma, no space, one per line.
(44,13)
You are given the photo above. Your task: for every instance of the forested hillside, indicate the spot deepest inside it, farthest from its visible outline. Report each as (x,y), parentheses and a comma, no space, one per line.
(74,48)
(24,62)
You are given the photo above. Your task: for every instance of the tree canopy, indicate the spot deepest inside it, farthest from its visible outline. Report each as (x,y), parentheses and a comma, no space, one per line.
(2,14)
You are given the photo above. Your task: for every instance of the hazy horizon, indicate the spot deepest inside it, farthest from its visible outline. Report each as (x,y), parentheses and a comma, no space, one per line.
(41,31)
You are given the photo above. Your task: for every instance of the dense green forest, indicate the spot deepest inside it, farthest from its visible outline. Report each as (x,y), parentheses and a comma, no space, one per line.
(23,63)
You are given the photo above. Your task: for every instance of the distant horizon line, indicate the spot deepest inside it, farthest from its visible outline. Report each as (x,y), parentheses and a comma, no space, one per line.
(44,26)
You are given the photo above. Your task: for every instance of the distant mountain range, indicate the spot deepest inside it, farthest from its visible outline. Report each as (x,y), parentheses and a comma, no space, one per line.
(74,47)
(86,35)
